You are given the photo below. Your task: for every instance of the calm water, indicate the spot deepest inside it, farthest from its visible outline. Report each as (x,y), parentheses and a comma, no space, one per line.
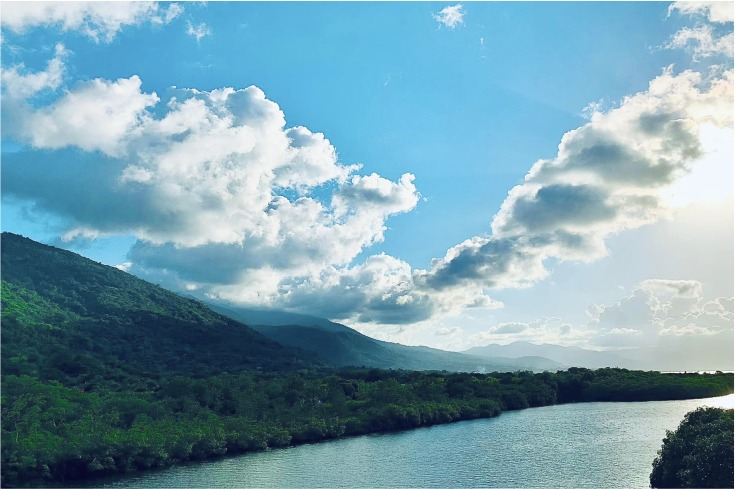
(594,445)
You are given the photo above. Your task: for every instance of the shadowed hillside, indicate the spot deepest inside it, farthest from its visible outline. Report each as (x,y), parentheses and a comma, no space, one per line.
(342,346)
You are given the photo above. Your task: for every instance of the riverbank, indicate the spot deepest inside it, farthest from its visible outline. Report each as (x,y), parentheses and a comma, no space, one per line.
(79,435)
(588,445)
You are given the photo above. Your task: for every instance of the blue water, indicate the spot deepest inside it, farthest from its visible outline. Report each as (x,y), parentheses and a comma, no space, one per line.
(595,445)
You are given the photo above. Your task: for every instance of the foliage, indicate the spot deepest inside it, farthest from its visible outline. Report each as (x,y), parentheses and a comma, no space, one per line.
(70,319)
(105,373)
(699,453)
(52,431)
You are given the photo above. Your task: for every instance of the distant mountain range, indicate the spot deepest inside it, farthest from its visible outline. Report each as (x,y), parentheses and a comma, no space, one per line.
(569,355)
(651,358)
(339,345)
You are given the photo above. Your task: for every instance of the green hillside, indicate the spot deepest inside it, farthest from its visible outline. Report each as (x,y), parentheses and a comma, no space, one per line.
(70,319)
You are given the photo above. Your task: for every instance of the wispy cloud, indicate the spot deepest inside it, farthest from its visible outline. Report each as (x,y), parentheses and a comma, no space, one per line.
(450,16)
(703,40)
(199,32)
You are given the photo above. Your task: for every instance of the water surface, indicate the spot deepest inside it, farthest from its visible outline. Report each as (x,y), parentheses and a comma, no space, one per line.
(593,445)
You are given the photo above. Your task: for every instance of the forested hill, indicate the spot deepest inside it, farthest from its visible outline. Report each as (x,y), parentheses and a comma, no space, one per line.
(65,315)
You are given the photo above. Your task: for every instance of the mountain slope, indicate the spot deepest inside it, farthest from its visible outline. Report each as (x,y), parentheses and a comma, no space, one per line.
(341,346)
(63,312)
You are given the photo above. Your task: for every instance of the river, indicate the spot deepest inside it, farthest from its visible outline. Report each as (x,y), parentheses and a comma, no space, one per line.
(595,445)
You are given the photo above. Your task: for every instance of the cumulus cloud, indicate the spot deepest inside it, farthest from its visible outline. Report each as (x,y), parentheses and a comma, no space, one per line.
(658,308)
(380,290)
(97,115)
(219,191)
(608,176)
(544,330)
(450,16)
(101,21)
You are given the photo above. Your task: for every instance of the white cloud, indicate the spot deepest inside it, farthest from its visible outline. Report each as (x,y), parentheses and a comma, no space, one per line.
(198,32)
(101,21)
(220,192)
(714,11)
(628,322)
(510,328)
(97,115)
(545,330)
(447,331)
(660,308)
(19,84)
(608,176)
(702,41)
(450,16)
(216,187)
(711,179)
(125,266)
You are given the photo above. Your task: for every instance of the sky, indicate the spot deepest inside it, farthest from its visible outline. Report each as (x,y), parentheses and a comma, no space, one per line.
(442,174)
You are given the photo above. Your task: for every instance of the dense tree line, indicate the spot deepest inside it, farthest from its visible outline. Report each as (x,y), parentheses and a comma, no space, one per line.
(56,432)
(699,453)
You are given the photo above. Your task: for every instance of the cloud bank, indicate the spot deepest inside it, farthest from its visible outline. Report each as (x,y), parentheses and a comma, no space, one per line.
(657,309)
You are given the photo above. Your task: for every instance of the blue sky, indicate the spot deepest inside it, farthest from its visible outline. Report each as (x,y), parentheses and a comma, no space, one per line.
(120,143)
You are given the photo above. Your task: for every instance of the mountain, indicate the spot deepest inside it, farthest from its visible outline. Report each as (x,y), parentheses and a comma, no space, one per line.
(568,355)
(340,345)
(651,358)
(62,312)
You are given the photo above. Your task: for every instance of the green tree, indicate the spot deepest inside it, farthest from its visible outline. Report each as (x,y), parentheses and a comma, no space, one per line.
(699,453)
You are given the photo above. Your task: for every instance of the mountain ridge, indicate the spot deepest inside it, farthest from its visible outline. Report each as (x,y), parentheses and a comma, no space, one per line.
(343,346)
